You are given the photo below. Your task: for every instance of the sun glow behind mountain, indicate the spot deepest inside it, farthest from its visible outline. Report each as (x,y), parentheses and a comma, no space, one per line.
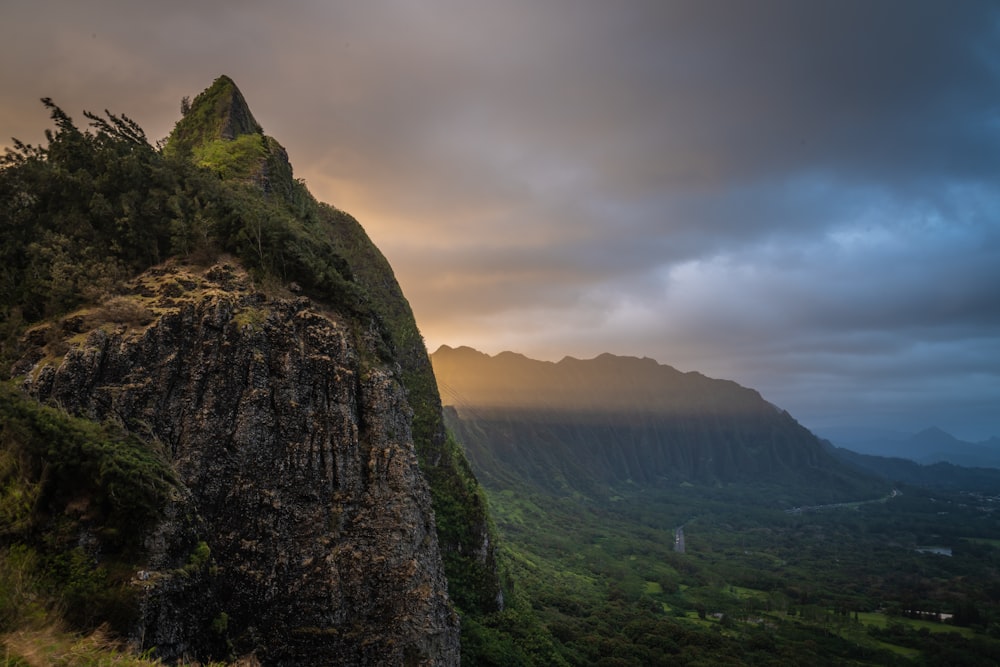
(728,192)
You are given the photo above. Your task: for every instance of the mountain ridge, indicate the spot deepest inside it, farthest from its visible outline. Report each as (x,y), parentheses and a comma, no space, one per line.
(606,382)
(587,425)
(937,475)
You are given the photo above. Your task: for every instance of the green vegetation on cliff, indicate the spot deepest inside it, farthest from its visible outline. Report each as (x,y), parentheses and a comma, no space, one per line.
(61,478)
(95,207)
(51,461)
(219,114)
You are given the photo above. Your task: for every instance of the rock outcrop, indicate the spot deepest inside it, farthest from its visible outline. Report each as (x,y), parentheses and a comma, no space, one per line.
(302,531)
(358,282)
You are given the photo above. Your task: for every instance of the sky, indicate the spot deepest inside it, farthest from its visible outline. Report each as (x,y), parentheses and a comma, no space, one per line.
(801,196)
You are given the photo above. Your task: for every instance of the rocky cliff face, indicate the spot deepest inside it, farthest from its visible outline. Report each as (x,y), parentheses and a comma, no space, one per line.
(220,133)
(303,530)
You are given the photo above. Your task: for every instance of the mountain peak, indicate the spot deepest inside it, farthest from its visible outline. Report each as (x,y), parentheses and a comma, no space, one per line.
(934,435)
(460,350)
(220,112)
(218,132)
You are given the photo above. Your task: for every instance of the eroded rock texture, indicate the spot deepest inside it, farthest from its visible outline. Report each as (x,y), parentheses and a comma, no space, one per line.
(293,445)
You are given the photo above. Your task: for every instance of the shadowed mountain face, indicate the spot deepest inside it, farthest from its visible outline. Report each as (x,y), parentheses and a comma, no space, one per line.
(939,475)
(582,425)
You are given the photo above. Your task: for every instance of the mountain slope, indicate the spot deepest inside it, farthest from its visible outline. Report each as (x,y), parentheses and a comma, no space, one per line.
(202,302)
(579,426)
(653,517)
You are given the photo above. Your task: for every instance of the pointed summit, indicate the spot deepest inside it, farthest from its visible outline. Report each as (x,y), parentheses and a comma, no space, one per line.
(219,112)
(232,109)
(218,131)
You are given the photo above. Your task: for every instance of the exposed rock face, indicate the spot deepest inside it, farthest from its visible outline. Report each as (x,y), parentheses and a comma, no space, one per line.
(220,114)
(299,473)
(236,116)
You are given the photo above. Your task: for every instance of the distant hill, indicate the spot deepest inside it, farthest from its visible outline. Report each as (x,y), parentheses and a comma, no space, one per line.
(940,475)
(586,425)
(931,445)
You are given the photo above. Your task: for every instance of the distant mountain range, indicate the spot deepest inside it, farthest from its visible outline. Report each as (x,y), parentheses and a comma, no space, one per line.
(583,426)
(932,445)
(586,425)
(940,475)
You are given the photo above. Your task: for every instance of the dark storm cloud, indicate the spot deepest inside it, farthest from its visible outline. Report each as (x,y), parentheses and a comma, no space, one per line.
(802,196)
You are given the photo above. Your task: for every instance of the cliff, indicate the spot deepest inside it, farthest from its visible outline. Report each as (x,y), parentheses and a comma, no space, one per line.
(296,468)
(194,314)
(342,267)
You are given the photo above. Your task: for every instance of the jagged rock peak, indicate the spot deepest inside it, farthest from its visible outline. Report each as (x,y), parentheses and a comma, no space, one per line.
(219,112)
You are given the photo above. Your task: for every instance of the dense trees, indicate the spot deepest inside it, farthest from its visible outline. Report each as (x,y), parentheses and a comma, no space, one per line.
(85,211)
(93,207)
(757,585)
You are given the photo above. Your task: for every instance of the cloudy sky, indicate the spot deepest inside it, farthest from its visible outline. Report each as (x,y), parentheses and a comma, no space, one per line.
(802,196)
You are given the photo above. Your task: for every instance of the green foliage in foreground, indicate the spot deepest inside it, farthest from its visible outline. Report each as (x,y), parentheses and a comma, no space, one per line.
(71,489)
(52,460)
(93,208)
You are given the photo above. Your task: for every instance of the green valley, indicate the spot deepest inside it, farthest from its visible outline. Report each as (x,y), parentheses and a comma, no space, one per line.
(774,570)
